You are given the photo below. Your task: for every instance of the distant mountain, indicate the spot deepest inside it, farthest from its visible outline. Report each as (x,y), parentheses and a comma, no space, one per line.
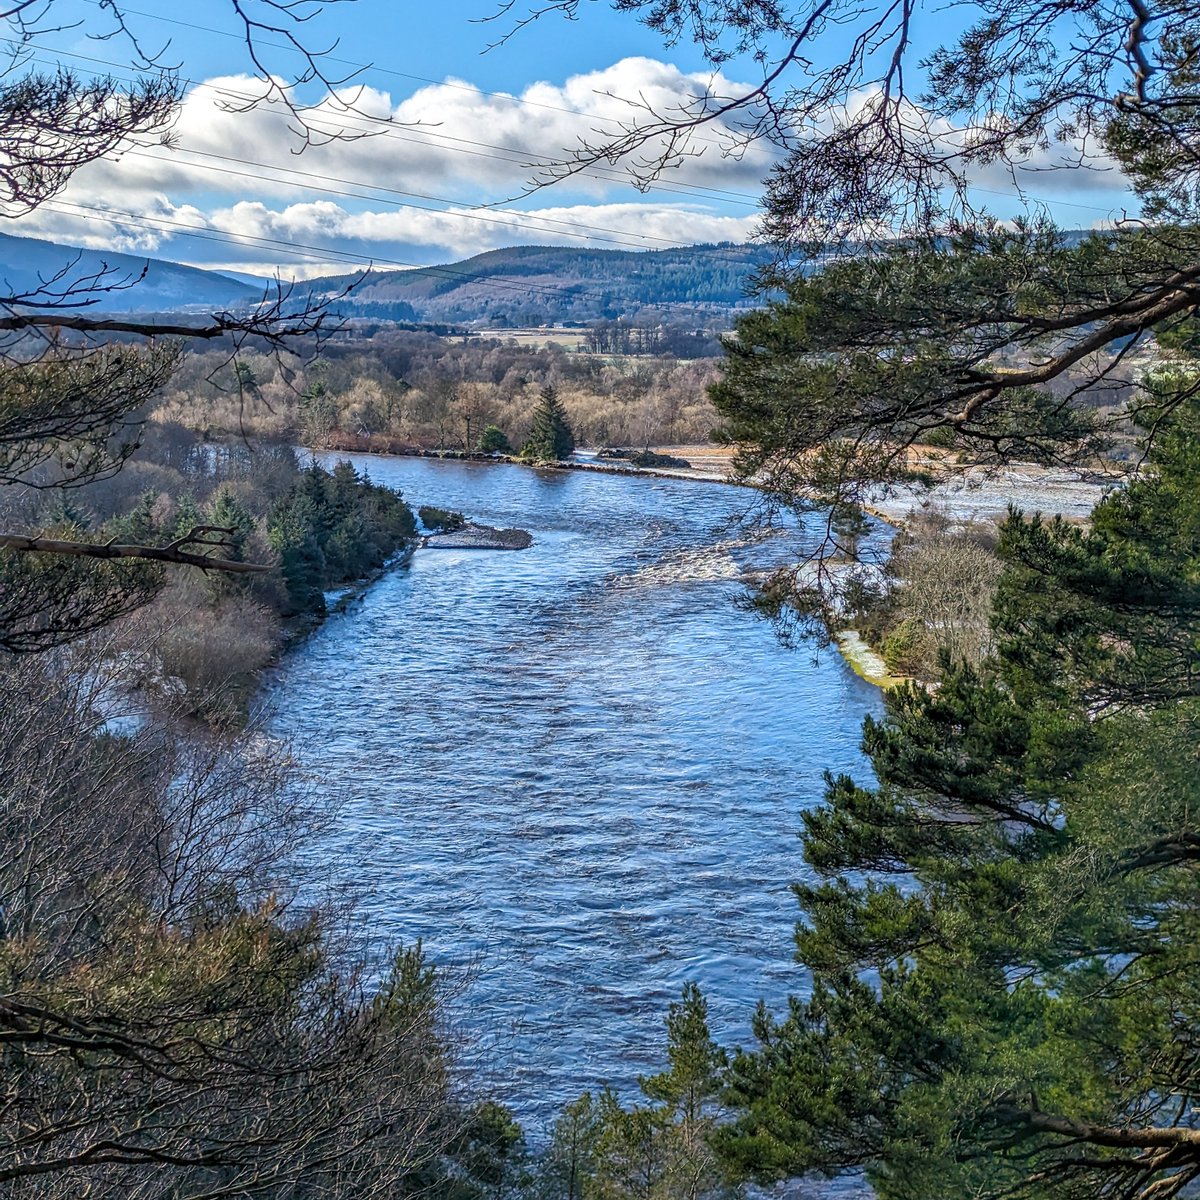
(543,285)
(514,288)
(259,283)
(521,286)
(29,265)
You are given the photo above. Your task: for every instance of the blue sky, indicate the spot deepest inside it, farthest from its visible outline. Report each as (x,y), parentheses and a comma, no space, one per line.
(455,127)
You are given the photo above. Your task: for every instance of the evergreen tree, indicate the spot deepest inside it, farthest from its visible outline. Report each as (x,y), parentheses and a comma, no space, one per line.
(228,512)
(332,528)
(1003,932)
(569,1164)
(292,532)
(493,440)
(140,524)
(604,1150)
(550,436)
(187,515)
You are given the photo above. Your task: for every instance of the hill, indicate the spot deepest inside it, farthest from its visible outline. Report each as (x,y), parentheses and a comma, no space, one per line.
(29,266)
(543,285)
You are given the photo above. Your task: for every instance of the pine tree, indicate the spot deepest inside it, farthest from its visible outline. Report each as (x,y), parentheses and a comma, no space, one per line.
(228,512)
(660,1150)
(569,1164)
(292,532)
(550,436)
(1003,931)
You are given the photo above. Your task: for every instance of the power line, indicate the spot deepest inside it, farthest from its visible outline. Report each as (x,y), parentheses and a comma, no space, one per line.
(384,127)
(520,157)
(460,214)
(514,219)
(327,253)
(358,68)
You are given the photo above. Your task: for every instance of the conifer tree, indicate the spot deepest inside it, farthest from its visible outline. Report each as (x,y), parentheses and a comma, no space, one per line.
(550,436)
(1002,932)
(569,1163)
(228,512)
(660,1150)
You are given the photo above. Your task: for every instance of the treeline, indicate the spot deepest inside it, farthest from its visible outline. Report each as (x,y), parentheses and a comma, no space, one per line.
(649,337)
(332,528)
(417,389)
(316,529)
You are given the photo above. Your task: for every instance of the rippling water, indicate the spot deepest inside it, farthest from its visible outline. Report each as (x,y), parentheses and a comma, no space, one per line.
(579,766)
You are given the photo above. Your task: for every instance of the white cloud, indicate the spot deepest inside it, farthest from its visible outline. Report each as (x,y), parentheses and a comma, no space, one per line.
(411,192)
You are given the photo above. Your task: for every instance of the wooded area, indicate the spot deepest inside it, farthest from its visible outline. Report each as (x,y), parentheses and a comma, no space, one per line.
(997,988)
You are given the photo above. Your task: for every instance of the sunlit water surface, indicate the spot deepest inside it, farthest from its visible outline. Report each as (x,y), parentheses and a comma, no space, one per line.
(577,769)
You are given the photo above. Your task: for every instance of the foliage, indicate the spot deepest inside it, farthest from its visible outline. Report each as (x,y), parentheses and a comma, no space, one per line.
(493,440)
(73,397)
(881,119)
(568,1165)
(946,583)
(604,1150)
(932,601)
(634,301)
(172,1021)
(837,386)
(440,520)
(1001,933)
(649,458)
(550,436)
(169,1022)
(332,528)
(910,315)
(391,389)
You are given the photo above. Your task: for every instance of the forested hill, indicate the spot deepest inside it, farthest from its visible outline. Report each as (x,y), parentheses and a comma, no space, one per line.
(40,270)
(539,285)
(513,288)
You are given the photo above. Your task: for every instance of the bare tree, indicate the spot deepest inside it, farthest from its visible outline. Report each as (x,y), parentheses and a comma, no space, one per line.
(74,382)
(471,406)
(169,1018)
(945,584)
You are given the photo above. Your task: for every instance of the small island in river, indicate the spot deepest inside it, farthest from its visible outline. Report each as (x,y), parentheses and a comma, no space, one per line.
(480,537)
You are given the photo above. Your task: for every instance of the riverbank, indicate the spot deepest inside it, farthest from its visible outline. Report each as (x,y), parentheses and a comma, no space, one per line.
(573,771)
(716,465)
(296,628)
(866,662)
(966,493)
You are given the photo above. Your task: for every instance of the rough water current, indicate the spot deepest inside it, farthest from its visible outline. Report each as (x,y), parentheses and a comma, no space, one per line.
(576,771)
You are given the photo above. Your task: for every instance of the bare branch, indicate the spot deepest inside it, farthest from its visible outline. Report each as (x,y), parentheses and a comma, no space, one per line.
(176,552)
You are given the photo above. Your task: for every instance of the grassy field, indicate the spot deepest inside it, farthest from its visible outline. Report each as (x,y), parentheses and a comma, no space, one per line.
(569,339)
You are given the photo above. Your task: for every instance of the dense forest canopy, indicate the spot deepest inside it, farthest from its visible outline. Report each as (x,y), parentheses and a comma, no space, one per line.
(546,285)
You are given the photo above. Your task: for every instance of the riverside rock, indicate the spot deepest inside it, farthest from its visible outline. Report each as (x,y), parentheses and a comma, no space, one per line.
(480,537)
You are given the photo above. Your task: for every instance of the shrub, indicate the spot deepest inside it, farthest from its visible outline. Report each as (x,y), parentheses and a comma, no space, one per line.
(440,520)
(215,651)
(494,440)
(905,649)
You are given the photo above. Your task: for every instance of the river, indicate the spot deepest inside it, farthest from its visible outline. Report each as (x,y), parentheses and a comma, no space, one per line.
(576,771)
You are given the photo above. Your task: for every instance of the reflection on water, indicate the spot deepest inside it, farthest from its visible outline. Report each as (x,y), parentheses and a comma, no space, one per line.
(580,765)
